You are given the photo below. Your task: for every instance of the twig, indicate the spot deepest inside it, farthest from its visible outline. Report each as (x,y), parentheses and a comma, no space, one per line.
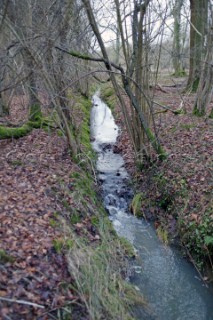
(23,302)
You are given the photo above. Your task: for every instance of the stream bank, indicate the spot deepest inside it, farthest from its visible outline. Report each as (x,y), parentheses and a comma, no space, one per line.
(59,254)
(175,193)
(170,284)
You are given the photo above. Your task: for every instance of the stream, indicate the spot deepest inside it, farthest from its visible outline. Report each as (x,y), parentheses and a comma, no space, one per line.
(169,283)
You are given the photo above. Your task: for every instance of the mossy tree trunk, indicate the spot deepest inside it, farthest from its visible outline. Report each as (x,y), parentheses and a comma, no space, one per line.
(199,16)
(4,109)
(142,79)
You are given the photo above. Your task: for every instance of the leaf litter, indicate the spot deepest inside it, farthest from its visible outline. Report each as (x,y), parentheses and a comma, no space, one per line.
(31,168)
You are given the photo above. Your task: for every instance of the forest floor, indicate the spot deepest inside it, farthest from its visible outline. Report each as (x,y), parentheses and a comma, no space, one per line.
(51,223)
(30,170)
(35,180)
(176,193)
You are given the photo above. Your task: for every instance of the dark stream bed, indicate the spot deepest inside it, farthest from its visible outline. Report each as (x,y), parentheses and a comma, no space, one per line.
(169,283)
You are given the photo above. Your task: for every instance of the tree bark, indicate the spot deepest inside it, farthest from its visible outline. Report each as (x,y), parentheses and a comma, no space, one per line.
(205,87)
(177,64)
(199,16)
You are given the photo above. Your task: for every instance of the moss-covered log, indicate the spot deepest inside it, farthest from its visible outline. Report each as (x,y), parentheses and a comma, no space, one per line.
(7,132)
(18,132)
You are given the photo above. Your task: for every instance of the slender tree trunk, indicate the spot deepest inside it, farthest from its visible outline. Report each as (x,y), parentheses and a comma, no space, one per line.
(34,102)
(118,44)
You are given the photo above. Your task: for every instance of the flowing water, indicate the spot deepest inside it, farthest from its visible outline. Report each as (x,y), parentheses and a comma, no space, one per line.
(169,283)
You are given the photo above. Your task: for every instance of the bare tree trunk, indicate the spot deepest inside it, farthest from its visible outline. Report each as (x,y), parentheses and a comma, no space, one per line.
(205,87)
(34,102)
(4,101)
(118,44)
(177,64)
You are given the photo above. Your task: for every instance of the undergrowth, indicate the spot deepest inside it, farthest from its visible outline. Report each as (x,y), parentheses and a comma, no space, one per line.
(198,239)
(169,201)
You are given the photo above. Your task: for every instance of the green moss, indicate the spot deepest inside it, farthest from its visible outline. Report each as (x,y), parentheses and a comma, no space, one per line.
(108,96)
(197,112)
(95,221)
(5,257)
(163,235)
(69,244)
(83,184)
(60,133)
(195,85)
(7,133)
(179,74)
(53,223)
(35,113)
(136,204)
(211,114)
(61,244)
(129,250)
(75,175)
(179,111)
(58,245)
(75,218)
(108,92)
(83,134)
(15,133)
(16,163)
(79,55)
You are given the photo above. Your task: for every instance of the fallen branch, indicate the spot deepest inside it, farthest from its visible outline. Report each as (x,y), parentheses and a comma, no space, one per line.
(23,302)
(158,87)
(177,111)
